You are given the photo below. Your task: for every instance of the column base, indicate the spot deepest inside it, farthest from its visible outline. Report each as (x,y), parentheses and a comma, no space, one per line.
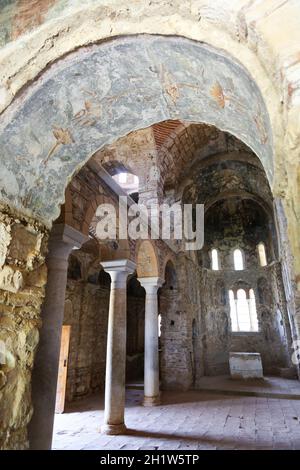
(113,429)
(152,401)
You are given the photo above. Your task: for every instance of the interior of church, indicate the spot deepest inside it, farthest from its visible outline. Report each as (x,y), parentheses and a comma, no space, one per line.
(107,113)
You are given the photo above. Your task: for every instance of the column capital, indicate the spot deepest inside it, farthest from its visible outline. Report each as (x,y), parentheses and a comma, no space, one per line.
(63,239)
(151,284)
(119,271)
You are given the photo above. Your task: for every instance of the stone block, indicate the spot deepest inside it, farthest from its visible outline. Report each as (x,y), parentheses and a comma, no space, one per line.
(245,365)
(10,280)
(24,245)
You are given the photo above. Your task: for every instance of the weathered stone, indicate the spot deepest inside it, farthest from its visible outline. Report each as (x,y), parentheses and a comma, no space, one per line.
(37,277)
(3,378)
(10,280)
(5,239)
(19,311)
(25,245)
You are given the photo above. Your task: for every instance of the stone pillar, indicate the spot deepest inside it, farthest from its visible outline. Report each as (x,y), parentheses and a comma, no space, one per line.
(151,370)
(116,346)
(63,239)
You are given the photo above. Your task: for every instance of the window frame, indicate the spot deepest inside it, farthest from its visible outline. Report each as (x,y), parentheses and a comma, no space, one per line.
(248,298)
(243,258)
(218,260)
(264,254)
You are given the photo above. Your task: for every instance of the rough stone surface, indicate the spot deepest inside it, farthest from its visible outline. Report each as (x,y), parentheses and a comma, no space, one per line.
(22,281)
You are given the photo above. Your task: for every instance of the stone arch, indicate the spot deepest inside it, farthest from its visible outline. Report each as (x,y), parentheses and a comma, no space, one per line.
(90,219)
(109,249)
(147,260)
(55,131)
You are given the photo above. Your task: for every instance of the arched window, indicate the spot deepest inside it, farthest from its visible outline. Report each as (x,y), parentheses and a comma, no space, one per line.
(128,182)
(242,308)
(262,254)
(252,311)
(243,311)
(214,260)
(238,260)
(159,325)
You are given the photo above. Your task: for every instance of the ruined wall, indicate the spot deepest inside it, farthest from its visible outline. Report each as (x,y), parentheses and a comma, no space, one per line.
(135,336)
(178,307)
(22,280)
(86,311)
(243,223)
(272,340)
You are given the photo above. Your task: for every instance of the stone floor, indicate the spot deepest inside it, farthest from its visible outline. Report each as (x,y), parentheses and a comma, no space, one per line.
(271,387)
(188,421)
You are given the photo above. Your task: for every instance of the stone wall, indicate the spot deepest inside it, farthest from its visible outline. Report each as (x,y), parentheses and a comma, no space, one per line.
(22,279)
(135,338)
(179,308)
(272,340)
(86,311)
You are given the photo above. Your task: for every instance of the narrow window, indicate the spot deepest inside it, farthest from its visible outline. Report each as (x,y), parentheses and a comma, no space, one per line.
(159,325)
(214,260)
(242,306)
(233,312)
(252,311)
(238,260)
(262,254)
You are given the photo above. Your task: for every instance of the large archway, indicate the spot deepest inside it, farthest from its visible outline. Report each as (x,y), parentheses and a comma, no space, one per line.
(66,115)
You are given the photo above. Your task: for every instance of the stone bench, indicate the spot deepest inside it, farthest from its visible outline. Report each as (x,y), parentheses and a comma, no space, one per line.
(245,365)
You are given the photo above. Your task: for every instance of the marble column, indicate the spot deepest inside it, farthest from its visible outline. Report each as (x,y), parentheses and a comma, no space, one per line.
(116,346)
(63,239)
(151,368)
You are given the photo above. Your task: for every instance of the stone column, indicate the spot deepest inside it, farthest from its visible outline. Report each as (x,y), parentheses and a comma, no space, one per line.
(151,368)
(116,346)
(63,239)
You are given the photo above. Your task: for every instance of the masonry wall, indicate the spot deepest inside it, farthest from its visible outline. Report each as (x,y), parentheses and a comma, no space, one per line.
(273,339)
(86,311)
(242,224)
(180,356)
(135,338)
(22,279)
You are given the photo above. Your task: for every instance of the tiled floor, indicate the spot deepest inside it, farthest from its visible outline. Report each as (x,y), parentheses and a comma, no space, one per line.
(188,421)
